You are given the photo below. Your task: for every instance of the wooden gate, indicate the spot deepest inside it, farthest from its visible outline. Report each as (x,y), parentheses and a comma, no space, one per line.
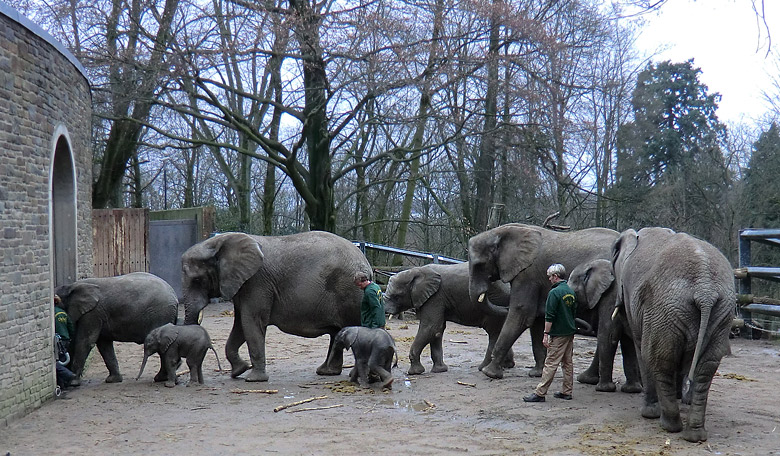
(120,241)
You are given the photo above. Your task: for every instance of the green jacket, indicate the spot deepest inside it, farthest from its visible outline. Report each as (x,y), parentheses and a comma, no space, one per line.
(372,308)
(62,324)
(560,309)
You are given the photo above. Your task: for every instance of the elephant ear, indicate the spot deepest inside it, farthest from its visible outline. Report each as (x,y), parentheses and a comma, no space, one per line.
(79,298)
(167,338)
(425,283)
(239,256)
(348,336)
(622,248)
(517,249)
(599,278)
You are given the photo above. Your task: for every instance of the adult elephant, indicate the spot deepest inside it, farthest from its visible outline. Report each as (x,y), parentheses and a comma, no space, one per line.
(301,283)
(519,255)
(593,283)
(678,295)
(124,308)
(440,293)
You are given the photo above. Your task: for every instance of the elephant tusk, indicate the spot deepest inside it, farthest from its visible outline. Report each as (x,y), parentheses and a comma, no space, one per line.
(614,314)
(200,317)
(481,297)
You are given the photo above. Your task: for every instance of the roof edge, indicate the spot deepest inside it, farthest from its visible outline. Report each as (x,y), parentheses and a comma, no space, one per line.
(22,20)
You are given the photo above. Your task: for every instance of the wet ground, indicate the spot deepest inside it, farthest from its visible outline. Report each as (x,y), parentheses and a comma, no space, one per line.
(457,412)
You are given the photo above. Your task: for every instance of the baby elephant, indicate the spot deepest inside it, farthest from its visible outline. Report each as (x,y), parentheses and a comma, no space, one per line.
(373,348)
(174,342)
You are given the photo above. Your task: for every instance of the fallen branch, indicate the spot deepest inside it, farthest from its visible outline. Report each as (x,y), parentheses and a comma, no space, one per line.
(293,404)
(473,385)
(430,405)
(184,372)
(243,391)
(458,341)
(308,409)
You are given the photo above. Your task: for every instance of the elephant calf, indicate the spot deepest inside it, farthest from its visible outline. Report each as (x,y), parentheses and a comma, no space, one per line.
(174,342)
(373,348)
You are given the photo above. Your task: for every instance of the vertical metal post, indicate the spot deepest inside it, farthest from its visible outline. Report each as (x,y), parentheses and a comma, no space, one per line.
(435,259)
(744,284)
(363,247)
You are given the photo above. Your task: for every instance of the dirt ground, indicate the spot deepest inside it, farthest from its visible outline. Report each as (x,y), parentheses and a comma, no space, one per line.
(459,411)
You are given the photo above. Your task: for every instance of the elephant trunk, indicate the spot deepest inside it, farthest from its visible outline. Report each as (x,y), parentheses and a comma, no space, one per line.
(143,365)
(494,310)
(193,306)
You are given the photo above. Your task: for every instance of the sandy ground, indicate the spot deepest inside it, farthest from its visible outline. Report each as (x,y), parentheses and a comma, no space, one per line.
(456,412)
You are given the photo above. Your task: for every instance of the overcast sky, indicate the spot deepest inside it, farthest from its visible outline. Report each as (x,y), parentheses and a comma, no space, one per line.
(725,41)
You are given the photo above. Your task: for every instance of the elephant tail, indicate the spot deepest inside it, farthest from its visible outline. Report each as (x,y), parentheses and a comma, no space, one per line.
(219,366)
(706,303)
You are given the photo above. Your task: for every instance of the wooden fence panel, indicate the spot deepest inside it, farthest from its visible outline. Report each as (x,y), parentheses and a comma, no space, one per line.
(120,241)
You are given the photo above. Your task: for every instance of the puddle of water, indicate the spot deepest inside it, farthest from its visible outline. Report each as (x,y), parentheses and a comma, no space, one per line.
(409,405)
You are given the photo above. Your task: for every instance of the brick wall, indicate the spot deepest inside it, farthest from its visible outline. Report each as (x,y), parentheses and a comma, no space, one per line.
(43,91)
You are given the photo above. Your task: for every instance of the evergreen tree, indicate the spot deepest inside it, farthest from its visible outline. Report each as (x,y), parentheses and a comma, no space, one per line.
(670,168)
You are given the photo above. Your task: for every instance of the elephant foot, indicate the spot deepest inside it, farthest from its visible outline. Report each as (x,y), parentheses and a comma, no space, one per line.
(631,388)
(508,364)
(588,379)
(606,387)
(416,369)
(329,370)
(651,411)
(76,381)
(695,435)
(239,368)
(673,424)
(535,372)
(114,378)
(439,368)
(257,376)
(388,383)
(493,371)
(170,384)
(160,377)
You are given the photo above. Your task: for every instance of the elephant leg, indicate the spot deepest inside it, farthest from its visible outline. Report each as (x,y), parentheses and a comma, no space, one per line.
(353,375)
(538,348)
(378,362)
(170,360)
(106,348)
(362,372)
(424,337)
(234,341)
(254,332)
(694,430)
(590,376)
(514,325)
(509,360)
(437,353)
(630,366)
(334,361)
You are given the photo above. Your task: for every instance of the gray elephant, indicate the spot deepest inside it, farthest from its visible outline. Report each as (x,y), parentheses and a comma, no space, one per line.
(373,349)
(301,283)
(174,342)
(677,293)
(519,255)
(122,308)
(440,293)
(593,282)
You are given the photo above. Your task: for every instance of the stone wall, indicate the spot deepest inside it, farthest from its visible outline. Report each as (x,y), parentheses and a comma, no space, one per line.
(44,93)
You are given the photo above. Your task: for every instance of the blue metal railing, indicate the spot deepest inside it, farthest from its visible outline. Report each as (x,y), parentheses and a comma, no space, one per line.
(435,258)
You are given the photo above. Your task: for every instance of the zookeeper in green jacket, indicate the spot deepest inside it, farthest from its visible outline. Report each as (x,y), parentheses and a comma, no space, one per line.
(372,308)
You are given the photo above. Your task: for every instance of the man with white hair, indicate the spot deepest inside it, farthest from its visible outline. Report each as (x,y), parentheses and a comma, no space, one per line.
(559,330)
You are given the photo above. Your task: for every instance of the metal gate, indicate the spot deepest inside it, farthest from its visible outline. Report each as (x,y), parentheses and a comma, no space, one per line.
(168,240)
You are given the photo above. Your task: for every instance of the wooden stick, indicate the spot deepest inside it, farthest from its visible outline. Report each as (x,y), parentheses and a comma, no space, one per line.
(458,341)
(184,372)
(473,385)
(242,391)
(308,409)
(293,404)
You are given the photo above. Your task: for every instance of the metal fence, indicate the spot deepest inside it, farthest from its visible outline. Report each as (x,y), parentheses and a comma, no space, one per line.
(758,312)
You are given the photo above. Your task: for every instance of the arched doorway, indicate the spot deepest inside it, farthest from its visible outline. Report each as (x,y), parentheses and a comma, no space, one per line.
(63,213)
